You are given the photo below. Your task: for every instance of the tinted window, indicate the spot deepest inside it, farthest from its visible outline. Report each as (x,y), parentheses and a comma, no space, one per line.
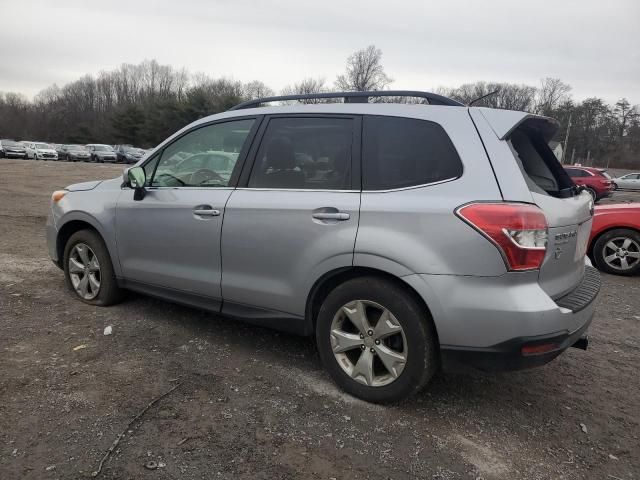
(201,157)
(307,153)
(574,172)
(403,152)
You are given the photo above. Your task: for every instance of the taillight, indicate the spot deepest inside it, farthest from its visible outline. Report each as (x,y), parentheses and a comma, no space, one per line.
(518,230)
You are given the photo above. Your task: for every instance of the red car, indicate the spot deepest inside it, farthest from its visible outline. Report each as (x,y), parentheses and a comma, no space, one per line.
(595,180)
(614,246)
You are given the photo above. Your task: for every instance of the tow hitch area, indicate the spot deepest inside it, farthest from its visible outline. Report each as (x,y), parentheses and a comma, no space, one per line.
(582,343)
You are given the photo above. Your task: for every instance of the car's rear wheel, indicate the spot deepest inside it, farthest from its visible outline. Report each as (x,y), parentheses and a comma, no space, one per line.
(376,341)
(593,194)
(88,269)
(618,252)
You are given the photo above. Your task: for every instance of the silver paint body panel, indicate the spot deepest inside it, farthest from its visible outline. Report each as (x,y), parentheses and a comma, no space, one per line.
(266,250)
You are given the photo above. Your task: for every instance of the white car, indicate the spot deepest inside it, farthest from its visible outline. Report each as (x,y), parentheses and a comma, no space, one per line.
(630,181)
(41,151)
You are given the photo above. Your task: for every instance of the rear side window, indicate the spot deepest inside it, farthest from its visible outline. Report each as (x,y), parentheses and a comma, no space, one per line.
(403,152)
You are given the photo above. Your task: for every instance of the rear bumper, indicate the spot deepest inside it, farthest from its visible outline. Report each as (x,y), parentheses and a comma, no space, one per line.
(484,322)
(508,355)
(605,194)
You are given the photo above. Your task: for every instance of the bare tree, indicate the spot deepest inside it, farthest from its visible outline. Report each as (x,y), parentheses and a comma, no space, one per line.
(256,89)
(625,113)
(507,96)
(551,94)
(364,71)
(307,86)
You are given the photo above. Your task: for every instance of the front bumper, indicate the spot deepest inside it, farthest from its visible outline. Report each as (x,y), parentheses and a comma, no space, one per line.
(52,238)
(15,154)
(485,322)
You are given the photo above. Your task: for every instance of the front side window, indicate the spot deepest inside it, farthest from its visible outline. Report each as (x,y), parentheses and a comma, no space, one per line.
(305,153)
(204,157)
(403,152)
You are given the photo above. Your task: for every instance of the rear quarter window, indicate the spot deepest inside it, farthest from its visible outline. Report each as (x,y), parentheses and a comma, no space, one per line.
(403,152)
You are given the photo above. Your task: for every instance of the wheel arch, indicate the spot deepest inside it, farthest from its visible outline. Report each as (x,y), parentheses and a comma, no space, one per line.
(330,280)
(75,222)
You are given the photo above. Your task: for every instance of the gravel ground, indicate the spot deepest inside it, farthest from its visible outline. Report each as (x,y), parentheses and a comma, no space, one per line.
(251,403)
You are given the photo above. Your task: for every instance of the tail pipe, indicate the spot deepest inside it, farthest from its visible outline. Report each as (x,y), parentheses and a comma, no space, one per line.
(582,343)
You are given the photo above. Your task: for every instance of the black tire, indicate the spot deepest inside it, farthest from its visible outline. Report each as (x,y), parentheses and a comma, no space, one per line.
(109,293)
(593,194)
(598,252)
(68,158)
(615,186)
(422,359)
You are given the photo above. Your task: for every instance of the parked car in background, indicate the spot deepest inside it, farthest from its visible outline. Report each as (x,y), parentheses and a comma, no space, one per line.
(101,153)
(12,149)
(630,181)
(74,153)
(41,151)
(614,245)
(128,154)
(353,223)
(595,181)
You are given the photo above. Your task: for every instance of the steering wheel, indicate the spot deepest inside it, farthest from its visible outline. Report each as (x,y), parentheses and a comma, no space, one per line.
(168,175)
(204,175)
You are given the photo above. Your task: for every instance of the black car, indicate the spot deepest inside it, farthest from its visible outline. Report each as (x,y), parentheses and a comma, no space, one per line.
(12,149)
(101,153)
(74,153)
(128,154)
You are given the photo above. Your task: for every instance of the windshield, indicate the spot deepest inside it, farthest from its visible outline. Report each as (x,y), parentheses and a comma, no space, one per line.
(102,148)
(606,174)
(11,143)
(42,146)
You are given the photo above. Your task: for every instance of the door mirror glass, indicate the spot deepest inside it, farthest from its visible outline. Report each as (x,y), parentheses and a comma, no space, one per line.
(136,177)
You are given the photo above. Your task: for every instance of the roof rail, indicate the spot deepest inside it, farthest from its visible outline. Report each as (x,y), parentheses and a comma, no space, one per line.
(354,97)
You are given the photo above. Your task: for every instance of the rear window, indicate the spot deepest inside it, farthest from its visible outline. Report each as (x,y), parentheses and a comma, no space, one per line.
(403,152)
(540,167)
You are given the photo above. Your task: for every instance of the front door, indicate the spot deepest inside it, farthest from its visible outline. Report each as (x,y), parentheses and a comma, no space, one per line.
(171,238)
(296,217)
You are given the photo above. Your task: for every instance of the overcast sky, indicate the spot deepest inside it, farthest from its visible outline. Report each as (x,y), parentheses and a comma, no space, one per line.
(594,45)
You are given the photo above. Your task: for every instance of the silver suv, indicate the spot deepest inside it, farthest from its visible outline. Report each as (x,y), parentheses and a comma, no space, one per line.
(404,237)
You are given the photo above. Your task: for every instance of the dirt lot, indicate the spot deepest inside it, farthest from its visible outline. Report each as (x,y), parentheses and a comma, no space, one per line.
(252,403)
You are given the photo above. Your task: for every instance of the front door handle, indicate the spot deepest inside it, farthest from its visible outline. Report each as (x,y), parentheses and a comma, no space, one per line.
(206,211)
(331,216)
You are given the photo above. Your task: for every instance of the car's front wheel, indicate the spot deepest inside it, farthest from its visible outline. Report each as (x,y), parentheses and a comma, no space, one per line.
(88,269)
(618,252)
(376,341)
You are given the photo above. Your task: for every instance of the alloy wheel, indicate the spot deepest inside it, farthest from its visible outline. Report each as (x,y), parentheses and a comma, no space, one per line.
(84,271)
(621,253)
(368,343)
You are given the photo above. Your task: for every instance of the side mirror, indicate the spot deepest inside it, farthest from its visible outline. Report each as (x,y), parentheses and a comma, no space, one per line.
(136,178)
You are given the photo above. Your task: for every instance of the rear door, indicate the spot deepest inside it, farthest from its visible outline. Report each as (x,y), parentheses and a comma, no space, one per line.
(295,217)
(528,171)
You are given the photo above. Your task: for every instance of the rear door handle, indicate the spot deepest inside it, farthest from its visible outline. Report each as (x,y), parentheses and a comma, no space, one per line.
(206,211)
(331,216)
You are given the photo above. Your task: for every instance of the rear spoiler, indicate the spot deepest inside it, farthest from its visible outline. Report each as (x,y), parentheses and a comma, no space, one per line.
(504,122)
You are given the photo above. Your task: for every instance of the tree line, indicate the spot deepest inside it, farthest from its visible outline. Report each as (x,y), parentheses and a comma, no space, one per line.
(143,104)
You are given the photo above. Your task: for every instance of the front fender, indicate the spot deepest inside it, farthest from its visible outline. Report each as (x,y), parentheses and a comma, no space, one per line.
(70,220)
